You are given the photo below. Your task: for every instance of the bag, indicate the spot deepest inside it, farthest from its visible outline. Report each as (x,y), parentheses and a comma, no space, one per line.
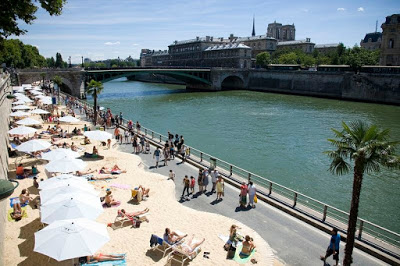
(255,198)
(231,252)
(136,223)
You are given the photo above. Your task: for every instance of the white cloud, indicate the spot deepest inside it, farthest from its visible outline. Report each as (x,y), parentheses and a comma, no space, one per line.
(360,9)
(341,9)
(112,43)
(135,44)
(304,10)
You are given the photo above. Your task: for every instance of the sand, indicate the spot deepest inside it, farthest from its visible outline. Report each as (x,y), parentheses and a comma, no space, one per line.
(165,211)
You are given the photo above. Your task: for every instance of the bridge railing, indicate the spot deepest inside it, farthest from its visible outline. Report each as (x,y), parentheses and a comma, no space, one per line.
(367,232)
(149,67)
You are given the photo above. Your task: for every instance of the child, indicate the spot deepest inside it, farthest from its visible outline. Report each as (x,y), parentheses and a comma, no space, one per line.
(192,183)
(171,175)
(147,146)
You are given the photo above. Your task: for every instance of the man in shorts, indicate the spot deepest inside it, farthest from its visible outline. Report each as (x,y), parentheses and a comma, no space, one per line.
(333,247)
(157,156)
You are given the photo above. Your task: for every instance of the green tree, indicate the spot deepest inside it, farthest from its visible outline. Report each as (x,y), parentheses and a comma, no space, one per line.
(368,148)
(94,88)
(58,80)
(43,75)
(16,53)
(51,62)
(289,58)
(12,11)
(263,59)
(59,61)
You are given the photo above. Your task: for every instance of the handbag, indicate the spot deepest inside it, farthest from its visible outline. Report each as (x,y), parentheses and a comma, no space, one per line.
(255,199)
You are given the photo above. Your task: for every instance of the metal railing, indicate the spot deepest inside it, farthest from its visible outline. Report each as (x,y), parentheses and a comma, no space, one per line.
(368,232)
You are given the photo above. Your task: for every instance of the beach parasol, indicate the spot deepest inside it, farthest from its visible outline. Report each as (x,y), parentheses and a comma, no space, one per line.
(19,114)
(33,145)
(20,107)
(67,192)
(39,112)
(19,102)
(19,94)
(75,182)
(59,154)
(61,178)
(69,119)
(65,165)
(71,207)
(22,131)
(98,135)
(35,92)
(68,239)
(29,122)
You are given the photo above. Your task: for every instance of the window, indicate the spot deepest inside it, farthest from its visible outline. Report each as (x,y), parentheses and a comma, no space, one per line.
(391,43)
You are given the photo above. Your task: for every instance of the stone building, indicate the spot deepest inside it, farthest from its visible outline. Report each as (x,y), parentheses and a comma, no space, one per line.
(305,45)
(281,32)
(232,55)
(145,57)
(372,41)
(326,48)
(258,44)
(390,47)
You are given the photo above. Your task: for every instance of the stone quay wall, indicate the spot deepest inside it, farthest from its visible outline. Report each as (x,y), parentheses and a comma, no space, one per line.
(364,87)
(5,107)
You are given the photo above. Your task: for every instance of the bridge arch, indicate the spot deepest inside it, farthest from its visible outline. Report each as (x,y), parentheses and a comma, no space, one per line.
(232,82)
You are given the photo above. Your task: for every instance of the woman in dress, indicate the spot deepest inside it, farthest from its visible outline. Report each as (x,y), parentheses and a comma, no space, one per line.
(220,188)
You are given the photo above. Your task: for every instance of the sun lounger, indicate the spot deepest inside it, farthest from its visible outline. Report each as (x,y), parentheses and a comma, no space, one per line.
(164,246)
(108,263)
(179,256)
(122,218)
(136,195)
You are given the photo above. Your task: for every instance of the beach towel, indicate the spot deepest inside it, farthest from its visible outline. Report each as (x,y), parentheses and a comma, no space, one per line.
(237,257)
(10,219)
(121,186)
(224,238)
(12,201)
(108,263)
(112,206)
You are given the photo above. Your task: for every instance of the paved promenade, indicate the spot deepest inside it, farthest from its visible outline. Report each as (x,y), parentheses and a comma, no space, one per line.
(294,242)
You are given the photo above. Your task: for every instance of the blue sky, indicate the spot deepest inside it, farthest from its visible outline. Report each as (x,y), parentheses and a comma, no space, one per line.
(107,29)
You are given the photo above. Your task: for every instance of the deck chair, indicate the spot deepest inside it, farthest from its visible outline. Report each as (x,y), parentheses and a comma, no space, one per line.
(122,218)
(136,195)
(164,246)
(180,257)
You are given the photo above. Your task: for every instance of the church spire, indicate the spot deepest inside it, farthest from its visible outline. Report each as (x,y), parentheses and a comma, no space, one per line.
(254,28)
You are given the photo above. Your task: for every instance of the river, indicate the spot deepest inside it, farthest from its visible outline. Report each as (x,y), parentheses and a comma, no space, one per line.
(280,137)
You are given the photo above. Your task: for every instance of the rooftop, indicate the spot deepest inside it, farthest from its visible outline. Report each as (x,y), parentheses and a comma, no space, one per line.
(374,36)
(201,39)
(227,46)
(253,38)
(294,42)
(326,45)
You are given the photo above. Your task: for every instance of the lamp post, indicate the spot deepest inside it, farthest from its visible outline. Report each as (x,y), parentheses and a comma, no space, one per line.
(82,62)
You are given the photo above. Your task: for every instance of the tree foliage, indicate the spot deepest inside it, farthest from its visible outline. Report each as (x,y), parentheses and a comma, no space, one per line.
(13,11)
(94,88)
(263,59)
(17,54)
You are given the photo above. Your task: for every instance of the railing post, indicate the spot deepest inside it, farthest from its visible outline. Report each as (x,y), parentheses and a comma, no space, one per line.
(360,229)
(145,131)
(295,199)
(189,151)
(230,169)
(249,177)
(270,188)
(325,212)
(160,138)
(152,134)
(201,156)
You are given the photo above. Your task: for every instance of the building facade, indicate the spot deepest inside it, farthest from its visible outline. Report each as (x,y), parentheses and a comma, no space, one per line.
(305,45)
(326,48)
(281,32)
(390,47)
(372,41)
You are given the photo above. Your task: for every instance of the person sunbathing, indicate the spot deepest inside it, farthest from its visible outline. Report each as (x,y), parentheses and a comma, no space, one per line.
(132,215)
(189,247)
(86,141)
(145,192)
(24,196)
(17,213)
(172,237)
(247,248)
(89,171)
(99,257)
(115,170)
(74,147)
(109,200)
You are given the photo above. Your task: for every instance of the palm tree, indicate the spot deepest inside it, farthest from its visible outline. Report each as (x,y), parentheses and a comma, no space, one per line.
(43,75)
(58,80)
(94,88)
(369,149)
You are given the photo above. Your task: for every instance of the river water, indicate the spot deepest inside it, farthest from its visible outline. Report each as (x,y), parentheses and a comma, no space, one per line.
(280,137)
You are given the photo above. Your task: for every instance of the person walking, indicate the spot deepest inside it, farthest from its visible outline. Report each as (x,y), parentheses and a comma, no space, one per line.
(156,155)
(214,177)
(333,247)
(220,188)
(243,195)
(182,153)
(192,183)
(200,181)
(165,154)
(171,175)
(116,133)
(252,193)
(205,179)
(186,183)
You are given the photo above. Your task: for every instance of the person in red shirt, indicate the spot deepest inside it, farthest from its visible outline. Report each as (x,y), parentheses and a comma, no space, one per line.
(243,195)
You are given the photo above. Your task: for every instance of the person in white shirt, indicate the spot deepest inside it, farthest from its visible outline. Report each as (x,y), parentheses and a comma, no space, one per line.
(252,192)
(171,175)
(214,177)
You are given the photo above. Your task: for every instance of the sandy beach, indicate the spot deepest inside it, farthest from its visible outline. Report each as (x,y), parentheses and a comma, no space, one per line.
(165,211)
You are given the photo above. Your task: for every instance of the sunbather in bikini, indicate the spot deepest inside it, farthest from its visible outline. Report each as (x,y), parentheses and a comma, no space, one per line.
(101,257)
(189,247)
(109,200)
(172,237)
(17,213)
(115,170)
(132,215)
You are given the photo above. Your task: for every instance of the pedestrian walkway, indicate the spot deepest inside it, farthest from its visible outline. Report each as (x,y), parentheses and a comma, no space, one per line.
(295,242)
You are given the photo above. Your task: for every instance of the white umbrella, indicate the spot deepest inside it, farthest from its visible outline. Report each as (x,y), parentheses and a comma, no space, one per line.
(33,145)
(67,239)
(67,192)
(74,182)
(19,102)
(71,207)
(28,122)
(61,178)
(20,114)
(35,92)
(98,135)
(60,154)
(19,94)
(22,131)
(20,107)
(39,112)
(46,102)
(65,165)
(69,119)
